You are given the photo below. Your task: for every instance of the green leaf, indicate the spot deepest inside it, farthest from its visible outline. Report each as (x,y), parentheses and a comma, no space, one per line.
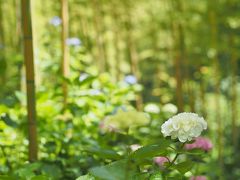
(52,170)
(21,97)
(156,176)
(150,151)
(119,170)
(105,153)
(27,171)
(40,177)
(184,167)
(88,80)
(86,177)
(8,121)
(3,177)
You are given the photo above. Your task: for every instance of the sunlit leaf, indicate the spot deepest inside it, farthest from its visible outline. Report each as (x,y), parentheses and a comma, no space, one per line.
(86,177)
(150,151)
(119,170)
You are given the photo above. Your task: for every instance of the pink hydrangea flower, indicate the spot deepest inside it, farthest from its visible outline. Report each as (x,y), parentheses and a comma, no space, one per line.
(161,160)
(200,143)
(135,147)
(198,178)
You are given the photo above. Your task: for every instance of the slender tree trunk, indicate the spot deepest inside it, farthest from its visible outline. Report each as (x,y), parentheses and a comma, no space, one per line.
(3,62)
(213,27)
(29,63)
(178,77)
(177,38)
(115,15)
(202,97)
(178,67)
(132,51)
(234,68)
(22,84)
(65,55)
(18,25)
(105,39)
(132,54)
(97,20)
(191,93)
(1,25)
(184,66)
(86,29)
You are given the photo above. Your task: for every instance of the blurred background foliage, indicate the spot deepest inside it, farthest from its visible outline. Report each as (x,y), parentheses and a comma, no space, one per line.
(159,56)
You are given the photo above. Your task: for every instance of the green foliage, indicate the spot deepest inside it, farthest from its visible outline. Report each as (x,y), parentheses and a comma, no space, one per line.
(151,151)
(104,153)
(184,167)
(117,170)
(119,38)
(86,177)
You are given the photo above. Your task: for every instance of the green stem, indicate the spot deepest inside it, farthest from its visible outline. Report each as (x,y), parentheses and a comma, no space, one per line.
(173,161)
(175,158)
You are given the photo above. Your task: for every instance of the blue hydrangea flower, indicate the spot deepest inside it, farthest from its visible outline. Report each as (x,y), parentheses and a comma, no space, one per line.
(55,21)
(130,79)
(83,76)
(73,41)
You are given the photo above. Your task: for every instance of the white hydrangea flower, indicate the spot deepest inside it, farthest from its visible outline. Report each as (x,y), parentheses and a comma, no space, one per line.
(184,126)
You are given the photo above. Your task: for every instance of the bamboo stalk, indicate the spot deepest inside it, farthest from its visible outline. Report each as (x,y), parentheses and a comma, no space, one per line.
(29,63)
(214,58)
(177,55)
(1,24)
(116,40)
(234,97)
(97,22)
(178,77)
(19,48)
(132,51)
(203,97)
(2,45)
(65,55)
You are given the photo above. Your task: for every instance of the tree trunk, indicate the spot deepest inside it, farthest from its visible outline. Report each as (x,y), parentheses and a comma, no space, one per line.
(29,63)
(65,55)
(116,41)
(97,20)
(202,97)
(234,69)
(178,56)
(3,63)
(214,58)
(132,51)
(178,67)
